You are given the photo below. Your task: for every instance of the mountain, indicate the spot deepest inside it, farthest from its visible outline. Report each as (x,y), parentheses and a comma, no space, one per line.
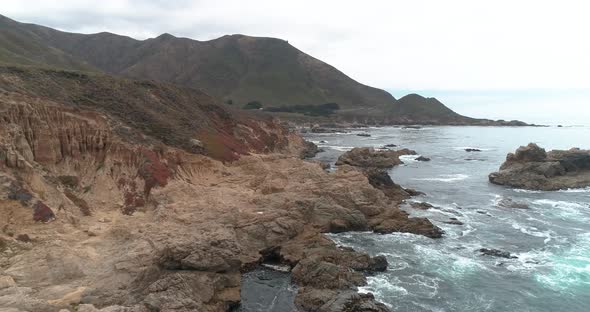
(237,67)
(264,73)
(21,46)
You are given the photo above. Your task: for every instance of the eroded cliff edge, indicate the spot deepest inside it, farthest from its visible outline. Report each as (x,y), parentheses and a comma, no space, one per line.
(107,200)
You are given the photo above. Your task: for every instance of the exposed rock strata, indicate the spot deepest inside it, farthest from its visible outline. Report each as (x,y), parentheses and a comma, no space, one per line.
(530,167)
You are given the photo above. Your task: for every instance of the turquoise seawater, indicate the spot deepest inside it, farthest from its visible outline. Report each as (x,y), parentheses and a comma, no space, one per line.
(551,239)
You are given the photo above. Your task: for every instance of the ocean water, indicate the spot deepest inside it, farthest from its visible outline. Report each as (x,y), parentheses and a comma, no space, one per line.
(551,239)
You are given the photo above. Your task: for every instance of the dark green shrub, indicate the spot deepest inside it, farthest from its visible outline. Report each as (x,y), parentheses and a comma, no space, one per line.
(253,105)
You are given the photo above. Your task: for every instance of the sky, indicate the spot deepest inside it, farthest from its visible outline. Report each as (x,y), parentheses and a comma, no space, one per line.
(518,59)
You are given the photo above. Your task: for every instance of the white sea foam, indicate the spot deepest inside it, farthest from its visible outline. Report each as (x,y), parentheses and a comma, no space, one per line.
(561,204)
(383,289)
(428,307)
(533,231)
(569,270)
(448,178)
(580,190)
(467,231)
(526,191)
(565,209)
(340,148)
(409,158)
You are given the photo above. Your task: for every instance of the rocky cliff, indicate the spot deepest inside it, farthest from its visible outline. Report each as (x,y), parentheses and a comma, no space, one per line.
(126,195)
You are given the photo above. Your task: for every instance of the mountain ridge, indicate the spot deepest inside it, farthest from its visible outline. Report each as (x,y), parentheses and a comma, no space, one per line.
(238,69)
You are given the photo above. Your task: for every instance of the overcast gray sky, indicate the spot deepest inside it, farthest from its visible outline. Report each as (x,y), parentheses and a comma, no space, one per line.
(443,48)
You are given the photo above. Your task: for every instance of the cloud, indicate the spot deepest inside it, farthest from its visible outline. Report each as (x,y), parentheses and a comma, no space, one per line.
(418,44)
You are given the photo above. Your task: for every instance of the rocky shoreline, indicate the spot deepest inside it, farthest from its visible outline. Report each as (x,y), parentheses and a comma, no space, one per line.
(95,222)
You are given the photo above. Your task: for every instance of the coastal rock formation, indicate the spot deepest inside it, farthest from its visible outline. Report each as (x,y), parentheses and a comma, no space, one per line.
(97,216)
(372,164)
(381,180)
(531,167)
(368,157)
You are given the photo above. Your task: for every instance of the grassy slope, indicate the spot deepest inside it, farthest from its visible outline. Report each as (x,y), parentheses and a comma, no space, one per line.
(20,46)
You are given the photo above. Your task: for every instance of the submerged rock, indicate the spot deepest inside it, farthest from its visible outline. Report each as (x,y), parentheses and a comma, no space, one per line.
(472,150)
(422,158)
(497,253)
(413,192)
(422,205)
(453,221)
(509,203)
(363,134)
(531,167)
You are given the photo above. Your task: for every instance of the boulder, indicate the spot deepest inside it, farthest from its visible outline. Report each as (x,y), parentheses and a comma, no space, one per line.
(453,221)
(422,158)
(326,300)
(309,150)
(378,264)
(420,226)
(42,212)
(509,203)
(368,157)
(319,273)
(531,167)
(472,150)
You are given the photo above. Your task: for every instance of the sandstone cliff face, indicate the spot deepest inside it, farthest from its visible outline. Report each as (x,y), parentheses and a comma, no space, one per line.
(531,167)
(48,134)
